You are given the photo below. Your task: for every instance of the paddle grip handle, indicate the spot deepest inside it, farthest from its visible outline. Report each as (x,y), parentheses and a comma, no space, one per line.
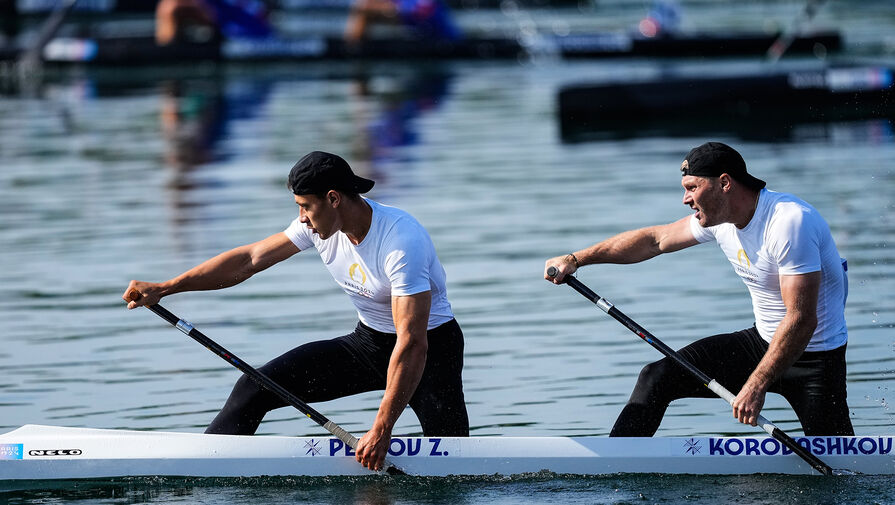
(349,439)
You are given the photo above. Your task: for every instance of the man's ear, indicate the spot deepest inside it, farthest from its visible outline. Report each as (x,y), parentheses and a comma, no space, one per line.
(333,198)
(725,180)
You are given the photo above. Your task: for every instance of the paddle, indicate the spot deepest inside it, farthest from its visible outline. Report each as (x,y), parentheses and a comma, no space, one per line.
(265,381)
(32,57)
(710,383)
(785,39)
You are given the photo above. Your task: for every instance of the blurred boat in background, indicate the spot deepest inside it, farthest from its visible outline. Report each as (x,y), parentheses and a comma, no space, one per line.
(142,50)
(760,102)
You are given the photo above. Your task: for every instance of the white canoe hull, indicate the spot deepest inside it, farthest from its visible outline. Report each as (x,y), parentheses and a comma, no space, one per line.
(36,452)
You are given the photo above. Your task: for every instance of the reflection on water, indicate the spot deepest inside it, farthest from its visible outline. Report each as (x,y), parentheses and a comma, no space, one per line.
(400,104)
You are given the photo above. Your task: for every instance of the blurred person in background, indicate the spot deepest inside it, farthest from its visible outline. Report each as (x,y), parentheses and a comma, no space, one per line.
(210,20)
(662,20)
(424,19)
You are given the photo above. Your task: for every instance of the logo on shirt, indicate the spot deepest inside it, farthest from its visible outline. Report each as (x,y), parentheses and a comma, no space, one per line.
(741,255)
(357,274)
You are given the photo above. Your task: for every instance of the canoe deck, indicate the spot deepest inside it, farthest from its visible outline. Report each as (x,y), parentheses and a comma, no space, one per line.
(36,452)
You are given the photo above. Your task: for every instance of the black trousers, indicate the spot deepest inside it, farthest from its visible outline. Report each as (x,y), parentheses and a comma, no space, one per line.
(355,363)
(814,386)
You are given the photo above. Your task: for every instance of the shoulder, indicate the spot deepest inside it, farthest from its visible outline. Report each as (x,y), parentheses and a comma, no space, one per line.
(699,233)
(300,235)
(792,222)
(786,209)
(785,202)
(400,235)
(395,221)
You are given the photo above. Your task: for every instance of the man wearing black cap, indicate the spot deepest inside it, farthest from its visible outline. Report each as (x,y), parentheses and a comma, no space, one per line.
(783,250)
(407,341)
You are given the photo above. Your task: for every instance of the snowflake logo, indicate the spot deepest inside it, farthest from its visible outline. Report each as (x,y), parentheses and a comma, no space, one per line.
(692,446)
(312,447)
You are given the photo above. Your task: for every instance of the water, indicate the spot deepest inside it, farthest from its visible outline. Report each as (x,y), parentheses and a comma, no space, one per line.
(546,489)
(99,184)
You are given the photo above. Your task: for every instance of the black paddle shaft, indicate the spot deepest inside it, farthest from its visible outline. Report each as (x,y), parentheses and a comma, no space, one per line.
(708,382)
(262,379)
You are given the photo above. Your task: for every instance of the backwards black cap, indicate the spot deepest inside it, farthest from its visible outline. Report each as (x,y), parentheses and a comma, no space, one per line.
(318,172)
(713,159)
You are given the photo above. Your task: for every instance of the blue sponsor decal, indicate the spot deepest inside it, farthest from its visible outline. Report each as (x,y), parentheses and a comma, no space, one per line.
(398,447)
(11,451)
(818,446)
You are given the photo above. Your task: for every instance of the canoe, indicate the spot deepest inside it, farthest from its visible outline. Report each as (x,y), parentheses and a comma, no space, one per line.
(605,45)
(142,50)
(761,99)
(35,452)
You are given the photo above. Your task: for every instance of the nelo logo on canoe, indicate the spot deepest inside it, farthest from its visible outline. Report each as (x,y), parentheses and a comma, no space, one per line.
(55,452)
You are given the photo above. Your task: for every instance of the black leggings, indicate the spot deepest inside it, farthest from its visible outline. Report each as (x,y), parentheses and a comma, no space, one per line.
(814,386)
(355,363)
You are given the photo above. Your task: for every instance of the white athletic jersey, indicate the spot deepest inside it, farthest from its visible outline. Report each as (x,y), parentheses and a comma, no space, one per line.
(786,236)
(396,258)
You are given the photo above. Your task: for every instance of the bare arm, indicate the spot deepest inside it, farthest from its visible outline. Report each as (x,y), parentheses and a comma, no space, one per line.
(222,271)
(405,368)
(628,247)
(799,294)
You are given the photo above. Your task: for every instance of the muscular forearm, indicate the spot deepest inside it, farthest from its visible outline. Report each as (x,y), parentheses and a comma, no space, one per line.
(788,343)
(799,293)
(234,266)
(219,272)
(638,245)
(404,372)
(628,247)
(222,271)
(405,368)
